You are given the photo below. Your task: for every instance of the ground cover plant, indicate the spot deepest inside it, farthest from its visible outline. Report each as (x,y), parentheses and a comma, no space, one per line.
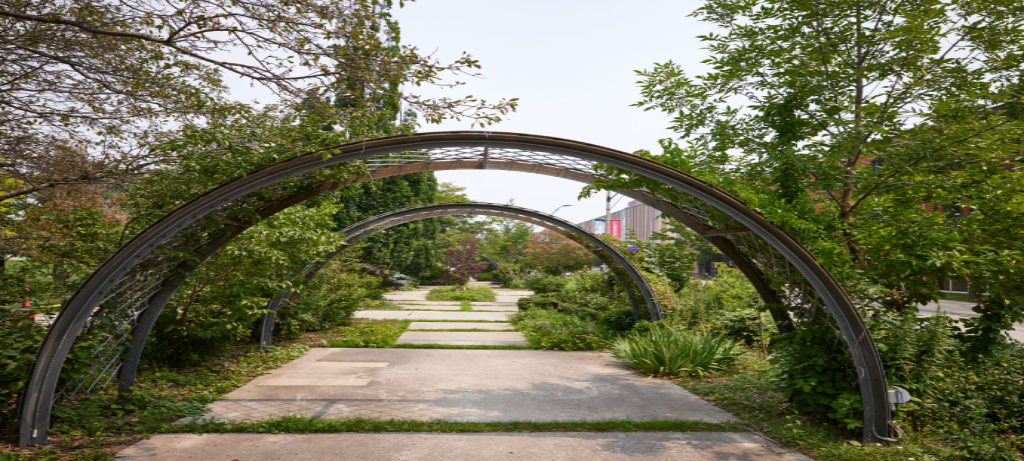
(467,293)
(97,425)
(751,393)
(366,333)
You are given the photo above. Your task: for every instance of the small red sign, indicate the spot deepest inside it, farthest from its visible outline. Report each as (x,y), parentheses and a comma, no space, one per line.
(616,229)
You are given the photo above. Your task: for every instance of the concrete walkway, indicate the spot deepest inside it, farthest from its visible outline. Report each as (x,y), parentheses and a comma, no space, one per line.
(547,446)
(462,385)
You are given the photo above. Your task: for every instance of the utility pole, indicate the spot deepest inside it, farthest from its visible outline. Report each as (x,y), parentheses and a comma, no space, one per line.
(608,214)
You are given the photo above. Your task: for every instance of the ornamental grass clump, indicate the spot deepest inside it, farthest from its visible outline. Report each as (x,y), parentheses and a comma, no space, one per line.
(666,352)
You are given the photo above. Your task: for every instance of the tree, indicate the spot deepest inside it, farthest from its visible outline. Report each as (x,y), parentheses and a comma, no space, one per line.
(838,120)
(409,248)
(87,86)
(555,254)
(463,263)
(704,253)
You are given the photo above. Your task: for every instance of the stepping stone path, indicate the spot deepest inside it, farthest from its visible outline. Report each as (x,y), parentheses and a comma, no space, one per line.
(421,309)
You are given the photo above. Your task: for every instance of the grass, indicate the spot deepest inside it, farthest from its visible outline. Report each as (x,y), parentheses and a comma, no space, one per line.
(93,428)
(367,333)
(466,305)
(304,425)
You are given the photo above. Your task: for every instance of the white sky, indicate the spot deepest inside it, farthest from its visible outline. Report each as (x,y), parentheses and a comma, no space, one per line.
(570,63)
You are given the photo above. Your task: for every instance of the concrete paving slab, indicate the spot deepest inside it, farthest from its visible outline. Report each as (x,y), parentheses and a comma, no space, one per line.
(547,446)
(460,326)
(507,299)
(433,315)
(430,307)
(462,385)
(496,308)
(464,338)
(427,303)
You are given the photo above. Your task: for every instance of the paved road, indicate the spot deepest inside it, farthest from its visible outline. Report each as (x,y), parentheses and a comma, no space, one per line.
(961,310)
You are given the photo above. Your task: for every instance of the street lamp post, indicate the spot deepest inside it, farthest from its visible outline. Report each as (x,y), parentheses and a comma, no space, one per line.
(559,208)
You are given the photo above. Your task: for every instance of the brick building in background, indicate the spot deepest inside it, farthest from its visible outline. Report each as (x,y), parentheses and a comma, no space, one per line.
(640,222)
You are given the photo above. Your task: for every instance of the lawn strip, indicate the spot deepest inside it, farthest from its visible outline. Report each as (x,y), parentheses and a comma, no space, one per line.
(466,305)
(454,346)
(302,425)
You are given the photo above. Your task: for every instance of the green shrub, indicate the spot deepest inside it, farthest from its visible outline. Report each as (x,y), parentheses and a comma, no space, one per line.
(541,285)
(19,340)
(662,351)
(545,301)
(546,329)
(620,319)
(513,283)
(330,300)
(469,293)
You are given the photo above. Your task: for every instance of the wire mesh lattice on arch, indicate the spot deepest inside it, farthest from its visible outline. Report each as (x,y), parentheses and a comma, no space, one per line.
(111,326)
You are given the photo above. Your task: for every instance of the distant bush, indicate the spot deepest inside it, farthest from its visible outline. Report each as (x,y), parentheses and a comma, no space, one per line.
(620,319)
(546,329)
(543,301)
(661,351)
(470,293)
(513,283)
(541,285)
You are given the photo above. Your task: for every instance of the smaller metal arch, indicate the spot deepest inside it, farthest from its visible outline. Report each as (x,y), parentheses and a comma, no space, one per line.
(601,249)
(490,260)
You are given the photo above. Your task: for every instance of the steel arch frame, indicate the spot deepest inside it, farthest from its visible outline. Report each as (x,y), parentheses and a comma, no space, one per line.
(368,227)
(490,260)
(804,284)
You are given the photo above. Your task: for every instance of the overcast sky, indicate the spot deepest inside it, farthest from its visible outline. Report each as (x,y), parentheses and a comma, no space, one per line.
(571,63)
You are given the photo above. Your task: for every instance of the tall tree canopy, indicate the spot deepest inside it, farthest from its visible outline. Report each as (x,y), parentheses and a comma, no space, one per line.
(840,120)
(86,86)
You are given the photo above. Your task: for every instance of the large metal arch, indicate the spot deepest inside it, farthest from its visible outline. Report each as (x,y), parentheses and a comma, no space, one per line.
(147,270)
(363,229)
